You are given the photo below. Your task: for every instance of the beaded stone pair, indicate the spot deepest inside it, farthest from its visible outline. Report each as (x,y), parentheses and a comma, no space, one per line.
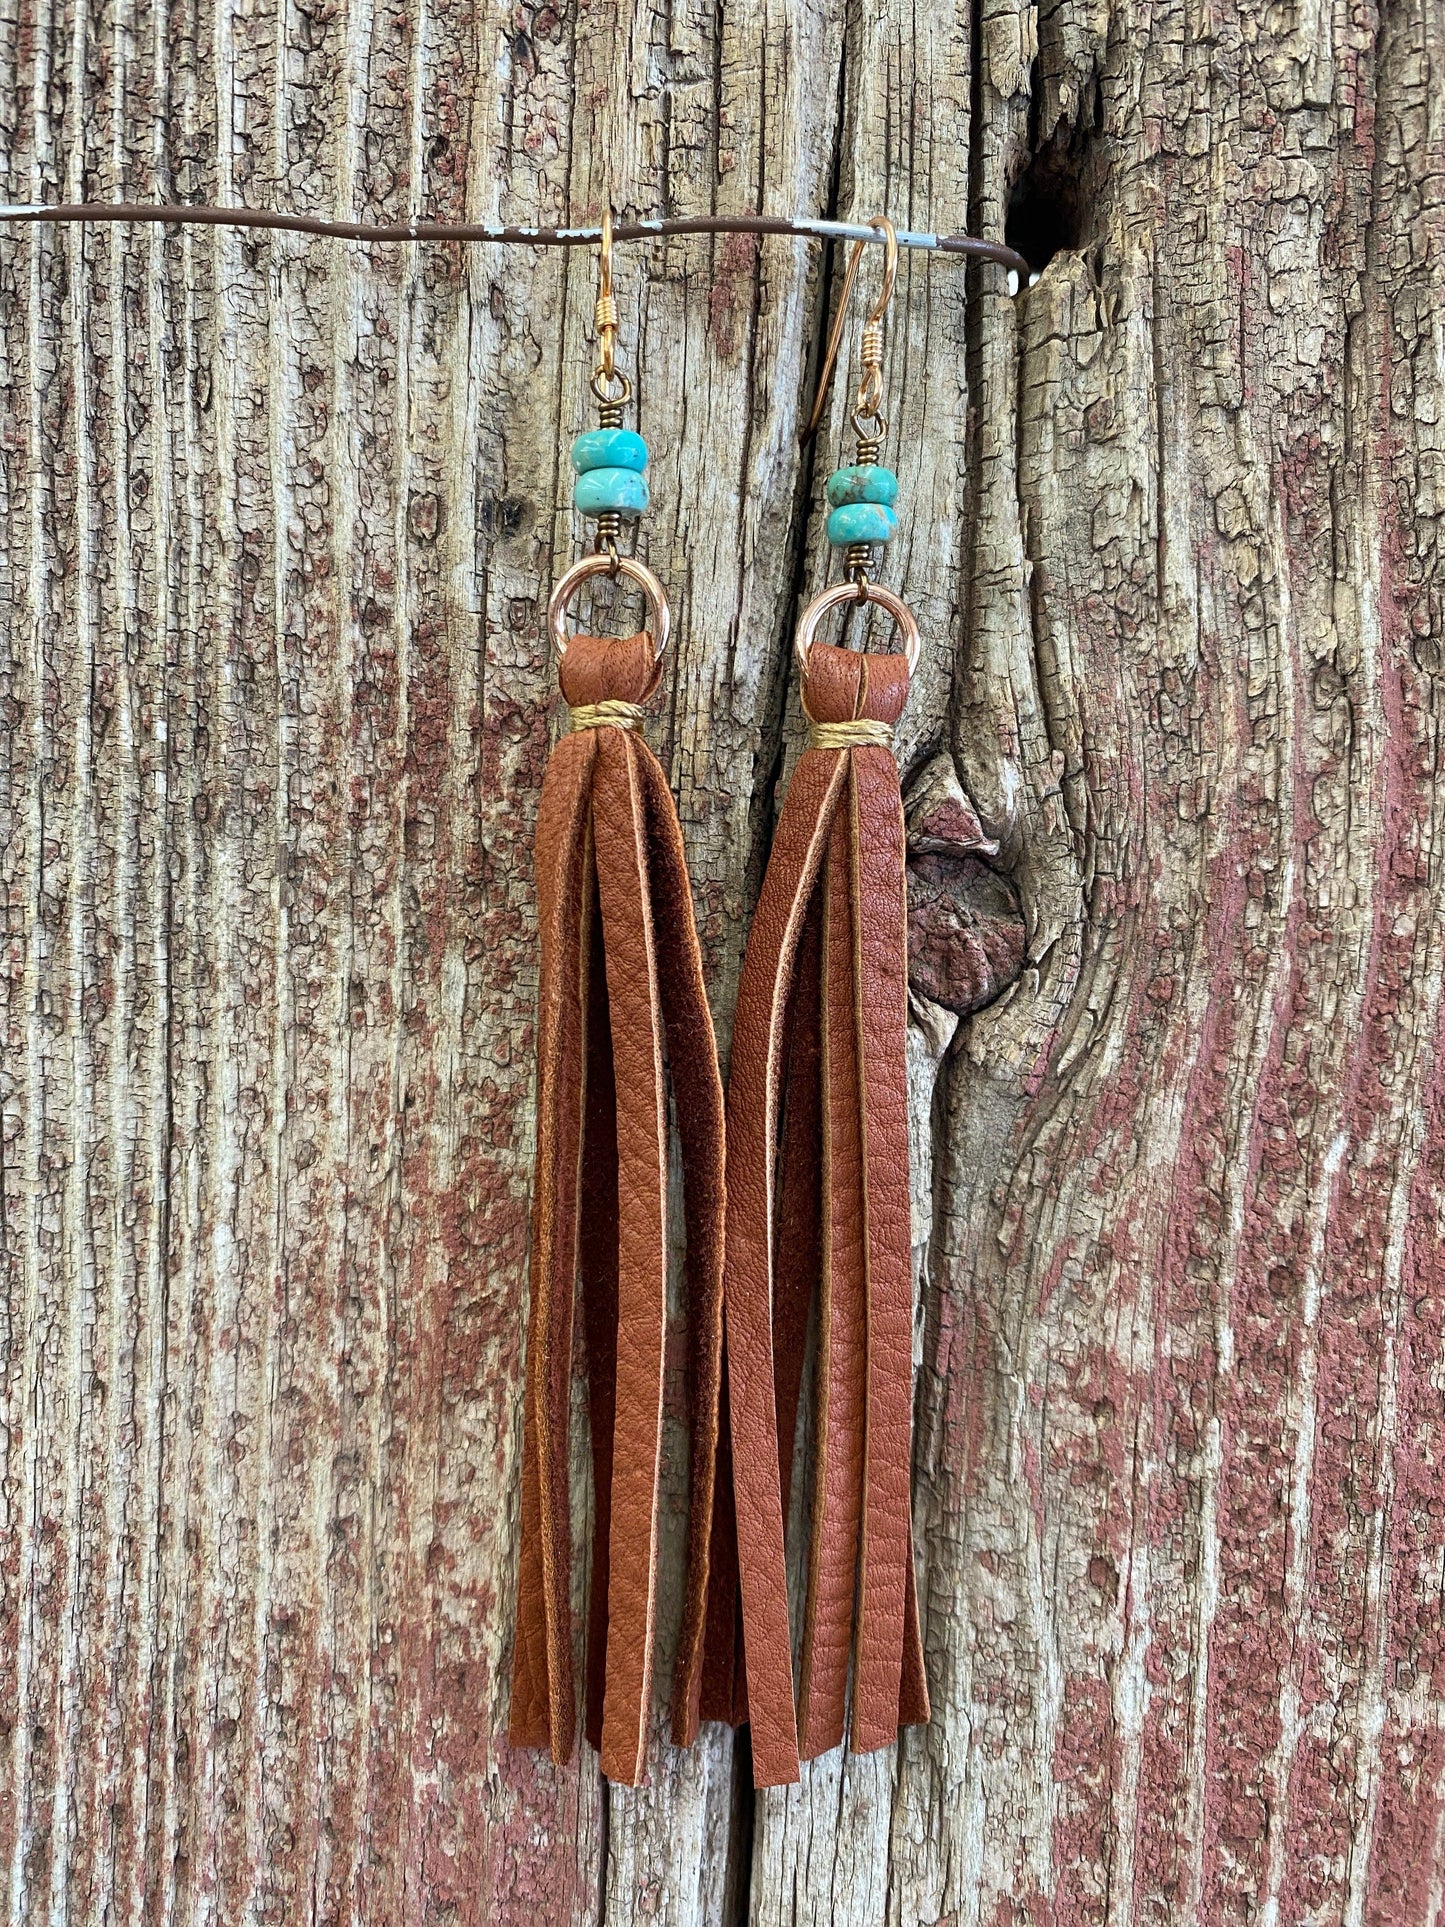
(795,1197)
(610,461)
(612,486)
(610,479)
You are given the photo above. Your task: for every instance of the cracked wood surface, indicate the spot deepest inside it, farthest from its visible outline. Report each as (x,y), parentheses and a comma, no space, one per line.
(277,522)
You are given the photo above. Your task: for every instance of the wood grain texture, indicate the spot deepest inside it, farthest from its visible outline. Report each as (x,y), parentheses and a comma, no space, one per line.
(277,524)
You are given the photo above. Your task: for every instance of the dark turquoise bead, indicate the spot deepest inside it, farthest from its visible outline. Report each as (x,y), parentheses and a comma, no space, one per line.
(621,490)
(861,522)
(864,482)
(609,448)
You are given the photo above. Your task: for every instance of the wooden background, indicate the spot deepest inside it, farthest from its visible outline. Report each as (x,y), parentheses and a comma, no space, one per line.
(277,523)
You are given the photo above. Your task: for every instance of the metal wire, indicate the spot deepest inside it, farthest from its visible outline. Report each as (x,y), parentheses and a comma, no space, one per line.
(179,215)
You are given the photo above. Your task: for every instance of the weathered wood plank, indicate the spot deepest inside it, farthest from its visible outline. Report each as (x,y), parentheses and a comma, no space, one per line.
(277,522)
(1189,1287)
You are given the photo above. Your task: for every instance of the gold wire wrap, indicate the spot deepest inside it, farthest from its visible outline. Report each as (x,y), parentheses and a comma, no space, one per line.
(862,732)
(609,526)
(611,714)
(605,312)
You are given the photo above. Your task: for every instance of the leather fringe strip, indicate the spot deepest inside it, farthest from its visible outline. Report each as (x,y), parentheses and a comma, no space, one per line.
(621,990)
(818,1190)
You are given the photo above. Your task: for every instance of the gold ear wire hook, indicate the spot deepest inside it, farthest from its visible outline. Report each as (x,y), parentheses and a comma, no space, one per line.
(870,389)
(606,311)
(610,388)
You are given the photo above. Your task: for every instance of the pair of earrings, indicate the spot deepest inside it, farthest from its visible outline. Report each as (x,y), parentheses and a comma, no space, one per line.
(795,1192)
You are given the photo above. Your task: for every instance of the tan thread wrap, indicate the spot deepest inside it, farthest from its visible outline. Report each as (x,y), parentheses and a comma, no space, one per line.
(859,733)
(609,714)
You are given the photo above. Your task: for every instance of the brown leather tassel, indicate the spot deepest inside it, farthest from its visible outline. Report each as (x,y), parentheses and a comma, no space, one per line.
(819,1049)
(621,982)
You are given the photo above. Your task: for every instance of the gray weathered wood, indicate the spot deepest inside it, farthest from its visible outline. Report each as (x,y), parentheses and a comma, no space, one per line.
(277,524)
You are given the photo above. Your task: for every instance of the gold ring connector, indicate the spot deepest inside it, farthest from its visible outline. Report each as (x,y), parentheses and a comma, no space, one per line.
(582,571)
(848,592)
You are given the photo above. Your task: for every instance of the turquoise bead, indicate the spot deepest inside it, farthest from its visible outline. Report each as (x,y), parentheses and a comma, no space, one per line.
(864,482)
(610,448)
(619,489)
(861,522)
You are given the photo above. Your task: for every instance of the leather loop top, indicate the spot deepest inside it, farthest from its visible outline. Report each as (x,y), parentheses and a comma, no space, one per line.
(844,686)
(601,669)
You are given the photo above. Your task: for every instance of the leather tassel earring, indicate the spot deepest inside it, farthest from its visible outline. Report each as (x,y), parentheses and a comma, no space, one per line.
(621,1000)
(818,1185)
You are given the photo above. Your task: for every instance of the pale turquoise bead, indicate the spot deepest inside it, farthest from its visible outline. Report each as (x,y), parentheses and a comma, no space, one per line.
(621,490)
(864,482)
(861,522)
(609,448)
